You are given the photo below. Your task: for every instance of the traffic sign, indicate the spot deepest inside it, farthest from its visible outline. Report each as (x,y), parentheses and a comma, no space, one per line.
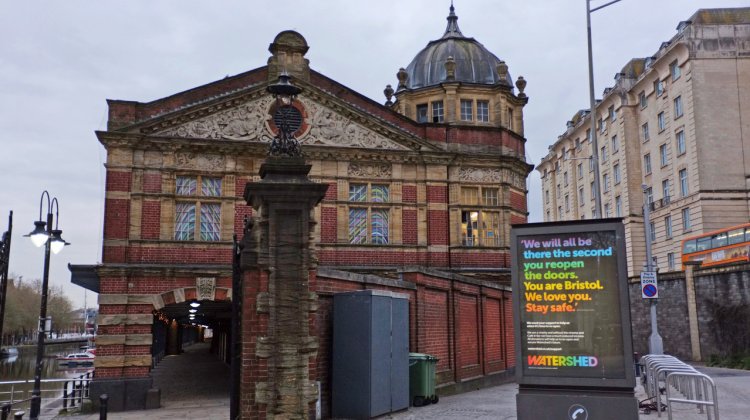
(649,286)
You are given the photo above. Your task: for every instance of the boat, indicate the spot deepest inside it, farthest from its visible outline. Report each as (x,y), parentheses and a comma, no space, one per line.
(75,359)
(8,352)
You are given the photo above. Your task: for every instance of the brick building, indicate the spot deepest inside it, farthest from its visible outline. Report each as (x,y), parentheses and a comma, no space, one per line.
(675,122)
(421,194)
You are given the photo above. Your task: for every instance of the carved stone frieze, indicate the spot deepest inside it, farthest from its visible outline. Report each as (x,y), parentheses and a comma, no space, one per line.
(492,175)
(200,161)
(330,128)
(244,122)
(360,170)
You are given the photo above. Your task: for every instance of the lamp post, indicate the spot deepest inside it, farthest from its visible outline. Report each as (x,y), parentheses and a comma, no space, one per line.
(592,114)
(284,144)
(44,234)
(655,343)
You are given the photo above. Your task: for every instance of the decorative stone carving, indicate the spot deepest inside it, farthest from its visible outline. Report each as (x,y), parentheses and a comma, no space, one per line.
(245,122)
(332,129)
(199,161)
(205,288)
(521,85)
(492,175)
(382,171)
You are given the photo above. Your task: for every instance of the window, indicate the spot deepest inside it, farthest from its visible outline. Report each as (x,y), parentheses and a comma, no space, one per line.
(652,227)
(663,159)
(606,183)
(647,163)
(686,219)
(588,134)
(368,225)
(665,190)
(602,125)
(547,219)
(668,226)
(483,111)
(606,209)
(649,195)
(565,178)
(618,206)
(644,131)
(510,118)
(642,99)
(658,88)
(557,166)
(578,144)
(591,164)
(662,122)
(437,112)
(565,153)
(592,191)
(674,70)
(580,170)
(615,144)
(559,191)
(567,203)
(678,107)
(680,140)
(480,227)
(616,172)
(466,111)
(612,114)
(580,197)
(422,113)
(559,212)
(200,216)
(546,196)
(604,153)
(683,183)
(670,261)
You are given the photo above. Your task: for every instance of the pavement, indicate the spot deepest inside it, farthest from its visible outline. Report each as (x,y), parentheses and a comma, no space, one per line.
(203,394)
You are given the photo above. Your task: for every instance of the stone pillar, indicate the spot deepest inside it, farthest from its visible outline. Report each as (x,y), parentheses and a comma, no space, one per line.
(692,307)
(279,342)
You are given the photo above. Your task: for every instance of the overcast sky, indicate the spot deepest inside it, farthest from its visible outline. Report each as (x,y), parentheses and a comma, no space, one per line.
(60,61)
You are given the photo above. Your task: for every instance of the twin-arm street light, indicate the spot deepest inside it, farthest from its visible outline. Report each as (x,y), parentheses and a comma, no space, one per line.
(44,234)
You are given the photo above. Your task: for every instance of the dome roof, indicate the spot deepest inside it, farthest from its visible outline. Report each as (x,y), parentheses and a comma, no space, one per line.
(474,62)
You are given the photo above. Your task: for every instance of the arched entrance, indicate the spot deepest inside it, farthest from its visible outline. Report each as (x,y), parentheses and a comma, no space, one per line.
(191,352)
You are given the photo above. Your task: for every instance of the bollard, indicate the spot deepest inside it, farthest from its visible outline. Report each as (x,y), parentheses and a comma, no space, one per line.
(5,411)
(637,364)
(65,396)
(18,415)
(103,406)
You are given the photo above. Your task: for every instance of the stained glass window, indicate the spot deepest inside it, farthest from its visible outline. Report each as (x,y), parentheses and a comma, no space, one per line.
(211,187)
(358,192)
(380,226)
(379,194)
(357,226)
(210,221)
(186,185)
(184,222)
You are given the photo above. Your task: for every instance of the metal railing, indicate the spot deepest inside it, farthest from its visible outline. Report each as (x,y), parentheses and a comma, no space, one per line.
(70,392)
(680,382)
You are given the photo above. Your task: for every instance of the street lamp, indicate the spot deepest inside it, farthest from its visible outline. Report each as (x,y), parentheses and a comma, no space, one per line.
(44,234)
(284,144)
(592,114)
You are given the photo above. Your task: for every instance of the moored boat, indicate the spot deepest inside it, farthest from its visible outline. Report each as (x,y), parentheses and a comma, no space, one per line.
(73,359)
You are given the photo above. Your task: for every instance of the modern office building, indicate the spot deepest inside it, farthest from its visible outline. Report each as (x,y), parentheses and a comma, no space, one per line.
(678,123)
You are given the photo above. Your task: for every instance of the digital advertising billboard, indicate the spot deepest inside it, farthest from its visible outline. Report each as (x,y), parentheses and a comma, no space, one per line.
(571,308)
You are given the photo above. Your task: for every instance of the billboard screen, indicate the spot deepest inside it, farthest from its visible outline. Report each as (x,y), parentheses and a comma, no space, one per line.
(571,304)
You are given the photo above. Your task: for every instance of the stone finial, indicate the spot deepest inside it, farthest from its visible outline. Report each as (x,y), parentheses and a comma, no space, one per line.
(402,76)
(502,71)
(388,92)
(450,68)
(288,51)
(521,85)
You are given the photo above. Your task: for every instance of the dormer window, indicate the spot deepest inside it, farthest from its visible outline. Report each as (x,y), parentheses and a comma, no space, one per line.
(437,112)
(466,110)
(422,113)
(483,111)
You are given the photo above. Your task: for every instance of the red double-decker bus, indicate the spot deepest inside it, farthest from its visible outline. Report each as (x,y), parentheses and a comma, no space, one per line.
(722,246)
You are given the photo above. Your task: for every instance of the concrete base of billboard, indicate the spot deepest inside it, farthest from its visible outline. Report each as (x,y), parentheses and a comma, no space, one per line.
(571,404)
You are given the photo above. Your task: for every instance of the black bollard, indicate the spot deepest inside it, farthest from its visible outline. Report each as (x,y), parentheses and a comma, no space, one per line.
(5,412)
(18,415)
(636,361)
(103,406)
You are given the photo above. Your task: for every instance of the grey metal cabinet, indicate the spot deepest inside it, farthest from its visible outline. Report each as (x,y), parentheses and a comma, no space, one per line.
(370,354)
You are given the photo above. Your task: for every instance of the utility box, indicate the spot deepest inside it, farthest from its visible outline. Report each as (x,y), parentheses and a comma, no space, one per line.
(370,354)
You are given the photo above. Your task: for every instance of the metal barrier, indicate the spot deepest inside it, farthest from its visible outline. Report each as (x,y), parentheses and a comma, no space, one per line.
(692,388)
(657,371)
(70,391)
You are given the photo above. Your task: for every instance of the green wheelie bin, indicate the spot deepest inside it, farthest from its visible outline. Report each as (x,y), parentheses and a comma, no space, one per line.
(422,379)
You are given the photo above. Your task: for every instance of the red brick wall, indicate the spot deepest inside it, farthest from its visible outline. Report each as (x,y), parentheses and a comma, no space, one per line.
(437,231)
(516,219)
(118,181)
(116,218)
(409,193)
(332,193)
(409,226)
(152,183)
(518,201)
(150,219)
(328,224)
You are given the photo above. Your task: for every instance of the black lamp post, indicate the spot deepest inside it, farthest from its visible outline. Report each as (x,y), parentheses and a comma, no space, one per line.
(284,144)
(43,234)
